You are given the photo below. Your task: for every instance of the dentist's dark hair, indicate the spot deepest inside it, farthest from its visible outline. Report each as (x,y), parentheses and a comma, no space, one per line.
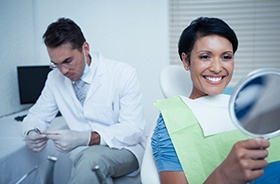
(64,31)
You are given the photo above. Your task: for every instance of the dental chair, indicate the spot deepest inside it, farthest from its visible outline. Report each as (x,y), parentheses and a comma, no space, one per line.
(174,80)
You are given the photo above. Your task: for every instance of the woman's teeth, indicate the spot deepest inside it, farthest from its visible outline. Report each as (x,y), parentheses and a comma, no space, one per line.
(214,79)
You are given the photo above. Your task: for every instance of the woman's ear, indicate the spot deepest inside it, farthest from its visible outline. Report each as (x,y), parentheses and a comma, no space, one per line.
(186,62)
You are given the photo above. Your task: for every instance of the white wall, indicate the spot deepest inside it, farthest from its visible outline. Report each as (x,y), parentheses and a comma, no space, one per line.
(132,31)
(16,47)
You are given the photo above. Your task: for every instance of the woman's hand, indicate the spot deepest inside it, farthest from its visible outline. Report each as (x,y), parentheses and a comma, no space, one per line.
(244,163)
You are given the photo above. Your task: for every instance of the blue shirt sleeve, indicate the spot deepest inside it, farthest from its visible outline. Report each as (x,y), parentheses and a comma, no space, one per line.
(271,174)
(163,150)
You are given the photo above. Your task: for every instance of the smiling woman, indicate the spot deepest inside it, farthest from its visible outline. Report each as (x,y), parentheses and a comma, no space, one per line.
(211,65)
(208,52)
(206,48)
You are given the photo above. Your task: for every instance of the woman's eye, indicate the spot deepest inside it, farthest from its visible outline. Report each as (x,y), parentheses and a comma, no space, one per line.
(227,57)
(204,57)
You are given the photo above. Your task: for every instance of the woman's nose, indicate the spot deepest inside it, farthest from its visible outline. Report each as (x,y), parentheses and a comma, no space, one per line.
(216,66)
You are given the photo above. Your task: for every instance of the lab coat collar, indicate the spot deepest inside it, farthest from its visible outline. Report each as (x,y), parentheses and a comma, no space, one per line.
(92,70)
(92,77)
(97,69)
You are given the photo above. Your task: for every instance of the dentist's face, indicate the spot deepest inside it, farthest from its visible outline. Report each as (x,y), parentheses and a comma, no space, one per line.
(69,61)
(211,65)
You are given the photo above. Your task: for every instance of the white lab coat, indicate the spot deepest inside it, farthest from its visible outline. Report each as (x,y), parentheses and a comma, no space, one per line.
(113,105)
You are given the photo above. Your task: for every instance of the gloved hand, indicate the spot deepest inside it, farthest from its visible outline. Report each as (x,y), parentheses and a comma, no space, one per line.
(36,141)
(67,140)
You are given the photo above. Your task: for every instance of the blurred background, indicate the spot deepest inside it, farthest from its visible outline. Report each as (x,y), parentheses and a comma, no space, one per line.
(143,33)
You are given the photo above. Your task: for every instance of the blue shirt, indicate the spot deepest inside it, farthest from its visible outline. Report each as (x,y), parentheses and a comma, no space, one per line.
(163,149)
(167,160)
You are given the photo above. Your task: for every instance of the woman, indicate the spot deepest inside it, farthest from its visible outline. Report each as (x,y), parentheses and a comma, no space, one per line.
(194,140)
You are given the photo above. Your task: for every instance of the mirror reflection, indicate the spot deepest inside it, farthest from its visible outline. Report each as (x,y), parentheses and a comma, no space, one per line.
(256,103)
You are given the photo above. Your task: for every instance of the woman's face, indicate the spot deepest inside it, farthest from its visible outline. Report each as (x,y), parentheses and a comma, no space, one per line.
(211,65)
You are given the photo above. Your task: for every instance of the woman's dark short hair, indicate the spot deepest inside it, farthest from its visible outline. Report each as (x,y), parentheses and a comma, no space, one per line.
(64,31)
(204,26)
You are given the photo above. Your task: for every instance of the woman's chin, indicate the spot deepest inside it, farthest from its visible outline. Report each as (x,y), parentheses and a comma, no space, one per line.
(215,92)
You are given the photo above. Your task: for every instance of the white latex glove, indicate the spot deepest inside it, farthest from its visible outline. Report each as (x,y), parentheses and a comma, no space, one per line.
(36,141)
(67,140)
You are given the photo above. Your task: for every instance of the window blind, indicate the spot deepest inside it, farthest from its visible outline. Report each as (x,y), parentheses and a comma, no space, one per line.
(256,23)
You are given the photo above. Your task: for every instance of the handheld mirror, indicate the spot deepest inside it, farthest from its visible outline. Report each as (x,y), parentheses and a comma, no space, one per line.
(254,105)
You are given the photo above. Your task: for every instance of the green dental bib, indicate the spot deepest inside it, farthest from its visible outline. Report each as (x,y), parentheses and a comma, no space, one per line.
(200,155)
